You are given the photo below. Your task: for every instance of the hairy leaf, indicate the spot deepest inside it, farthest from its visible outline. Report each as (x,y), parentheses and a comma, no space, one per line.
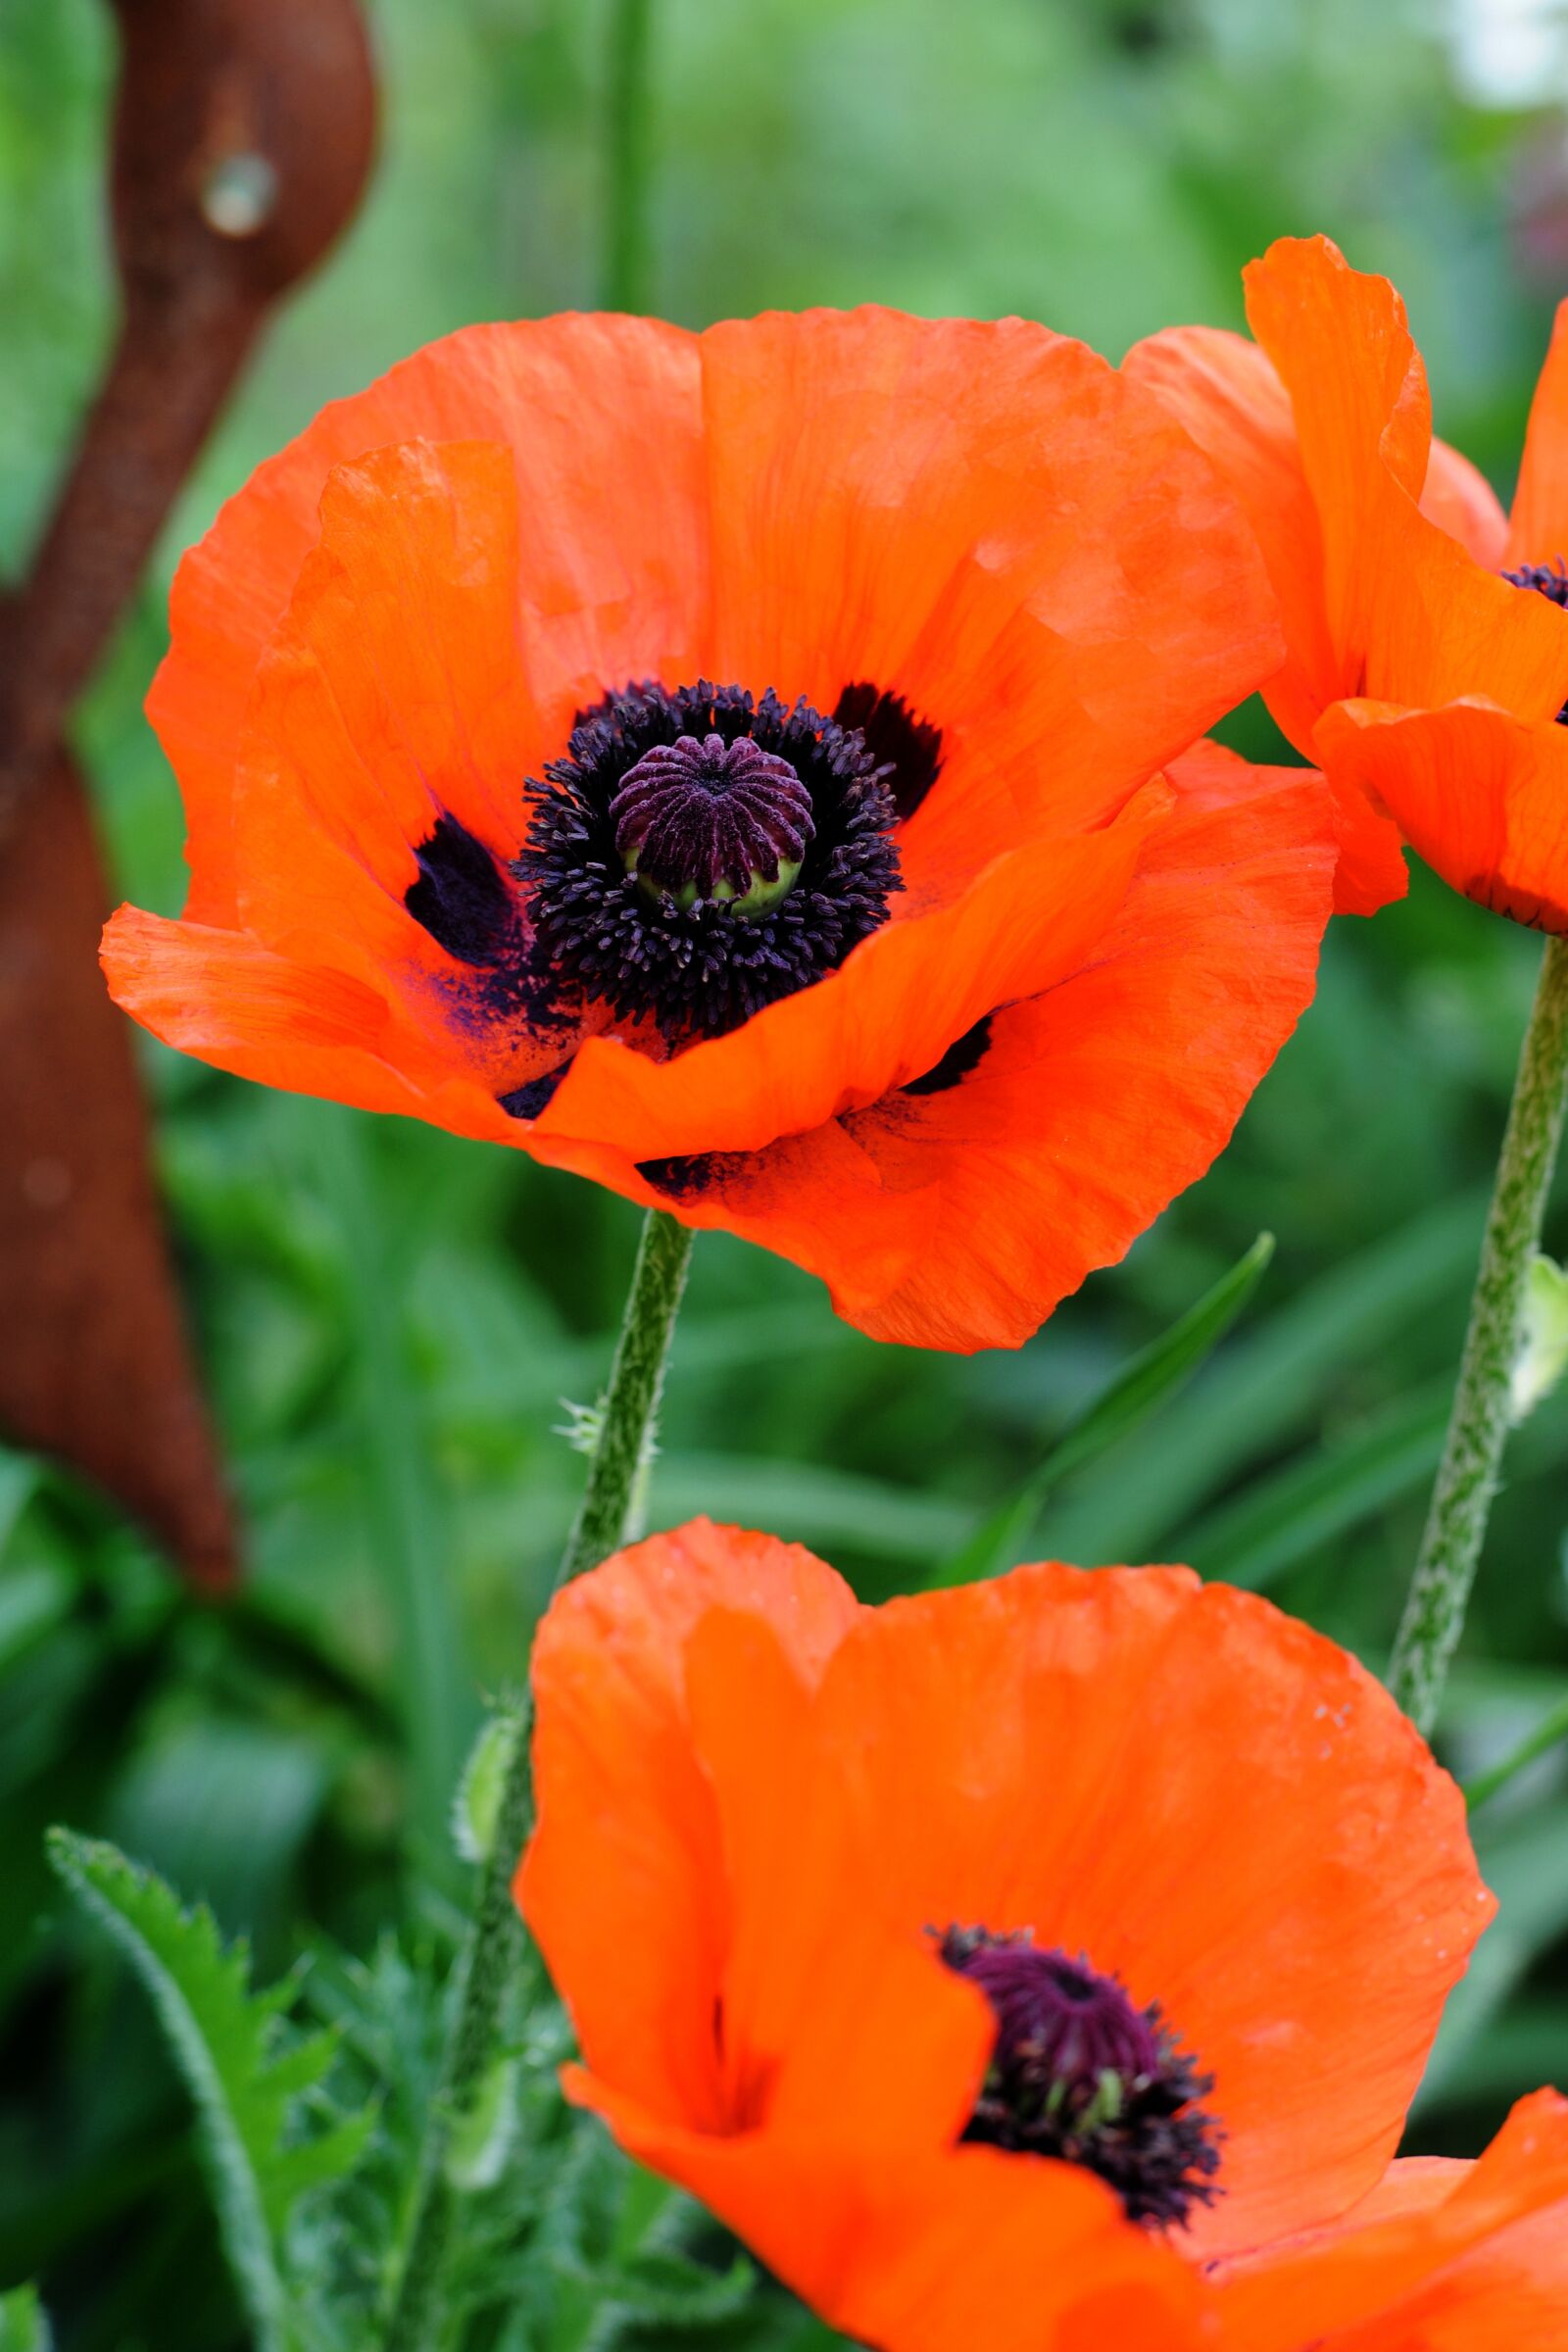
(249,2085)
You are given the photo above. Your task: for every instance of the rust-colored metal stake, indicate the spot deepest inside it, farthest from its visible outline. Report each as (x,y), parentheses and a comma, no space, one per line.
(243,136)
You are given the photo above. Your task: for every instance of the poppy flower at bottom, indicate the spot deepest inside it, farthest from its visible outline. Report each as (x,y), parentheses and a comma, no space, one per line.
(1104,1914)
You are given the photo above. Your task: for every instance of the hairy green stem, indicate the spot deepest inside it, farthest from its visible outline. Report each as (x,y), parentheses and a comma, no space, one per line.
(628,149)
(626,1425)
(1467,1476)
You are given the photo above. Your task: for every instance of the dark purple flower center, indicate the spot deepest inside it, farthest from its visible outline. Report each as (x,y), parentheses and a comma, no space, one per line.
(1549,580)
(698,852)
(1078,2072)
(710,819)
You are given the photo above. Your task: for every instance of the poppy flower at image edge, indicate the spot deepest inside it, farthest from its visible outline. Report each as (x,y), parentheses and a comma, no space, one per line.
(1426,667)
(860,1914)
(885,907)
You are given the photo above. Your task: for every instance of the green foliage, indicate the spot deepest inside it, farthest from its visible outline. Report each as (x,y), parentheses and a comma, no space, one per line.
(1139,1389)
(23,2325)
(247,2084)
(560,2243)
(390,1317)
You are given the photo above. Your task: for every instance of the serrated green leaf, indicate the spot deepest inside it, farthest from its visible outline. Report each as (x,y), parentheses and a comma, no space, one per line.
(224,2041)
(1138,1389)
(23,2325)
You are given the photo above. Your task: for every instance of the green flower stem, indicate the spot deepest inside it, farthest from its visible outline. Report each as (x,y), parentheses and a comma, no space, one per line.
(627,159)
(1467,1476)
(626,1425)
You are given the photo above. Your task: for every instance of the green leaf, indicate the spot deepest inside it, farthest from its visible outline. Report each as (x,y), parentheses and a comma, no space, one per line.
(247,2085)
(23,2325)
(1153,1374)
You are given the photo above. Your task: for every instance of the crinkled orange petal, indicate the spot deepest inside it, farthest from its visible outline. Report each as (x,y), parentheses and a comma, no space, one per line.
(888,1014)
(985,520)
(1482,796)
(224,998)
(603,419)
(820,2011)
(959,1219)
(1483,2265)
(1538,527)
(1200,1795)
(1228,395)
(1412,618)
(395,694)
(623,1884)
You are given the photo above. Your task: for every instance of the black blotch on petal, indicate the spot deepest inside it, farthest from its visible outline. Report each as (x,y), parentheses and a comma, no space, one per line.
(528,1102)
(911,747)
(692,1174)
(965,1053)
(462,898)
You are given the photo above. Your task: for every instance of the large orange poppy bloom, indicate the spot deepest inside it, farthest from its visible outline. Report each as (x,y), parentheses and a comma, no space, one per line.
(755,769)
(1427,641)
(1027,1932)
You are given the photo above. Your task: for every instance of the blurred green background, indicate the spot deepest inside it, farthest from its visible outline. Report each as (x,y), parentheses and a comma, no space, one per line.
(390,1317)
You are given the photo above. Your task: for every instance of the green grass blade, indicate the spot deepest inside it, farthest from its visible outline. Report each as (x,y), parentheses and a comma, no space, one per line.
(1138,1390)
(1320,1496)
(1552,1729)
(1268,1387)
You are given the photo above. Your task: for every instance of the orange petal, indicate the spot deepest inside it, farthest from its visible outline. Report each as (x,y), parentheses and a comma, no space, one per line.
(622,1883)
(1293,1881)
(1482,796)
(959,1219)
(1537,528)
(985,520)
(228,999)
(887,1015)
(1459,499)
(1228,395)
(224,998)
(1412,618)
(395,694)
(1464,2266)
(602,418)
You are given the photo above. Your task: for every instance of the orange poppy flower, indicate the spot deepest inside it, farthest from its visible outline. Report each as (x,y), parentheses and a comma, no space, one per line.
(1428,642)
(1004,1918)
(755,770)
